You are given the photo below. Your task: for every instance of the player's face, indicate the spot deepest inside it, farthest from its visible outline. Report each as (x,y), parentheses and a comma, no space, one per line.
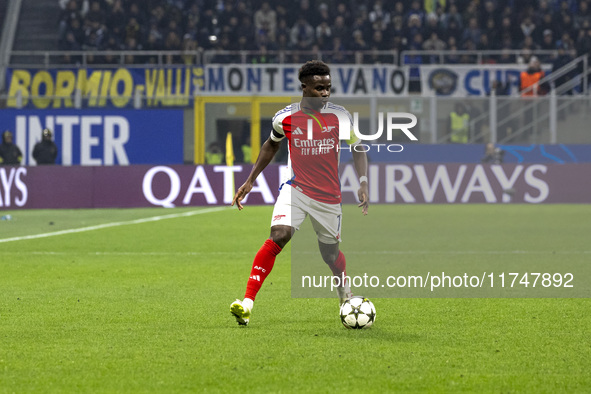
(317,86)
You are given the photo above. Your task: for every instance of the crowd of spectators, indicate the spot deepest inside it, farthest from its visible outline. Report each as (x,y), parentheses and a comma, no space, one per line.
(338,29)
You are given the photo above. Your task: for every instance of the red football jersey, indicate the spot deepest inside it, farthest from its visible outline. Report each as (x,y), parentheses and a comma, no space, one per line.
(313,154)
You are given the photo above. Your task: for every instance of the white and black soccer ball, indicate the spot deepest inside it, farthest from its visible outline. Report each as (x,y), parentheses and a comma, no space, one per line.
(358,312)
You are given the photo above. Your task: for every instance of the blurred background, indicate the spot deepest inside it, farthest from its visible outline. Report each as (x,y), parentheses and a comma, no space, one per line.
(172,82)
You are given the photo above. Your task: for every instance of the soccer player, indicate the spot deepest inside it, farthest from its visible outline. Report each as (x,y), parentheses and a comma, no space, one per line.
(313,187)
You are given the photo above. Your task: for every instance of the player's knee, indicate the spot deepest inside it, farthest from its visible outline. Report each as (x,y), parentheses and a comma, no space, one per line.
(281,235)
(330,257)
(329,252)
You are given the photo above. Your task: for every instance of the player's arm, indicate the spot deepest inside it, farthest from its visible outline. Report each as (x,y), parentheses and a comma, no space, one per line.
(360,162)
(268,151)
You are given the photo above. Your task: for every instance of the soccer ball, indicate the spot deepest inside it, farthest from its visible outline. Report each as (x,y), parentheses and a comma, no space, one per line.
(358,312)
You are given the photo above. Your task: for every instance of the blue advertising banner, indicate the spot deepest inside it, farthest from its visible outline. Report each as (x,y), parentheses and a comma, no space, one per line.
(174,86)
(462,80)
(101,137)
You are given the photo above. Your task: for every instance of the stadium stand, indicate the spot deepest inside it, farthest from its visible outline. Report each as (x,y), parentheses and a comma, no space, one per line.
(327,26)
(37,19)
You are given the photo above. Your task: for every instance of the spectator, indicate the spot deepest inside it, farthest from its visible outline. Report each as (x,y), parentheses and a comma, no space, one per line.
(454,16)
(246,151)
(432,26)
(70,44)
(359,43)
(343,12)
(339,29)
(190,48)
(359,24)
(548,44)
(529,79)
(246,30)
(69,13)
(547,23)
(529,45)
(484,45)
(565,42)
(302,34)
(324,15)
(453,57)
(214,154)
(508,32)
(564,57)
(543,11)
(132,45)
(459,124)
(530,86)
(45,151)
(135,12)
(470,12)
(492,33)
(10,154)
(472,32)
(413,28)
(528,29)
(584,43)
(489,11)
(417,11)
(434,43)
(96,13)
(337,51)
(133,29)
(506,57)
(378,17)
(172,42)
(323,35)
(116,19)
(307,11)
(566,26)
(266,18)
(583,15)
(492,154)
(378,42)
(77,29)
(453,30)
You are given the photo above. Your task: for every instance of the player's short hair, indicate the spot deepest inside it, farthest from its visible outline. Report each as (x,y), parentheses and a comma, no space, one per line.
(313,67)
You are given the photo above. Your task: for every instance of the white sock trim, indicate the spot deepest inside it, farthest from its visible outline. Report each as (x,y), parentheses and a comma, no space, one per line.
(247,303)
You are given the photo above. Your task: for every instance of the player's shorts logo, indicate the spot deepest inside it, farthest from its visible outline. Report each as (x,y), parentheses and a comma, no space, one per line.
(277,217)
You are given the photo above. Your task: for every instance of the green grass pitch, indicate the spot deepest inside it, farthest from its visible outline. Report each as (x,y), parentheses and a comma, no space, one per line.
(144,307)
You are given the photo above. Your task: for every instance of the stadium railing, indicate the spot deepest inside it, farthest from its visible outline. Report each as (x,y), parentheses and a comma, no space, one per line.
(472,56)
(7,38)
(68,59)
(562,82)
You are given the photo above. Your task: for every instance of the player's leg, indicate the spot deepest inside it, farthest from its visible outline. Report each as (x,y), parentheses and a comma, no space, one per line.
(265,259)
(287,217)
(326,220)
(335,259)
(262,265)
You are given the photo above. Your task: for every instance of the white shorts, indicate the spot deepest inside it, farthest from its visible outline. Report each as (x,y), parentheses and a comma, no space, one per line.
(292,207)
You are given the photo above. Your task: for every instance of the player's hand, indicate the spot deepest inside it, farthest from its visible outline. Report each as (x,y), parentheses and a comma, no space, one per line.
(241,193)
(363,195)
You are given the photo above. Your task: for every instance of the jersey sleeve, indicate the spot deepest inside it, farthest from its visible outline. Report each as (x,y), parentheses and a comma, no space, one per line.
(278,132)
(353,140)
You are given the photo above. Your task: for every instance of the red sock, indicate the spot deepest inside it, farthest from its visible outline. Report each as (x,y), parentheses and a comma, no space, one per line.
(261,267)
(339,267)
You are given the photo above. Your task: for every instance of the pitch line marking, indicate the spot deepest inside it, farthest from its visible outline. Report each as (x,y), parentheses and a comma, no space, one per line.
(450,252)
(113,224)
